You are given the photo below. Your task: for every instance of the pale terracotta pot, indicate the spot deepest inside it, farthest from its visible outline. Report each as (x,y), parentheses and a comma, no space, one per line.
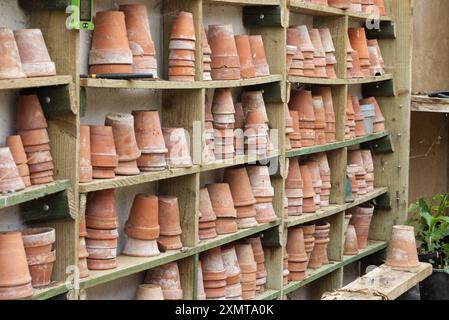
(142,222)
(168,278)
(10,64)
(351,247)
(178,155)
(149,292)
(402,250)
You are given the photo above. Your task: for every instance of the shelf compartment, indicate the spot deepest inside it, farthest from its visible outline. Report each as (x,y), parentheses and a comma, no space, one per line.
(330,82)
(12,84)
(335,145)
(33,193)
(173,85)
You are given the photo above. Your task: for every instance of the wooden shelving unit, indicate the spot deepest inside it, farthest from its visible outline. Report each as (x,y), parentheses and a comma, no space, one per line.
(183,104)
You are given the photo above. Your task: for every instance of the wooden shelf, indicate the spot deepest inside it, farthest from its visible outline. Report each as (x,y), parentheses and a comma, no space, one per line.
(239,160)
(335,145)
(299,6)
(422,103)
(33,192)
(333,209)
(244,2)
(131,265)
(50,291)
(173,85)
(268,295)
(330,82)
(11,84)
(373,247)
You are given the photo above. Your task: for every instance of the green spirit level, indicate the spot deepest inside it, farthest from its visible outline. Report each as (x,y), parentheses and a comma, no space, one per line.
(81,14)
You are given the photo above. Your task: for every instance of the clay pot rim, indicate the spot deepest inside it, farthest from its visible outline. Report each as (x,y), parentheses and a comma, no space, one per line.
(36,237)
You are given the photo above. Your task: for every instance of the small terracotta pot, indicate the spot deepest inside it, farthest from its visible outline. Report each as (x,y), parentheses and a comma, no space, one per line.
(253,101)
(101,264)
(222,202)
(245,256)
(178,155)
(29,114)
(308,181)
(351,247)
(10,64)
(319,253)
(103,152)
(240,186)
(206,209)
(141,248)
(148,132)
(361,220)
(183,28)
(245,56)
(258,53)
(149,292)
(259,177)
(142,223)
(402,251)
(222,102)
(100,234)
(168,216)
(201,294)
(124,136)
(33,52)
(212,265)
(231,265)
(226,225)
(38,240)
(305,43)
(295,245)
(358,40)
(256,244)
(302,102)
(15,145)
(85,155)
(265,212)
(9,174)
(152,162)
(41,268)
(101,212)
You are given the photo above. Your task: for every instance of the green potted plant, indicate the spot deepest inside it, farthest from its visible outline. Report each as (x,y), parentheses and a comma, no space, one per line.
(432,229)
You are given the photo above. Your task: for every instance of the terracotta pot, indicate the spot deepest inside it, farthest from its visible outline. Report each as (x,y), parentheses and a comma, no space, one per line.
(358,40)
(245,256)
(124,136)
(138,29)
(102,234)
(29,114)
(148,132)
(15,145)
(183,28)
(254,101)
(10,64)
(319,253)
(149,292)
(92,243)
(367,160)
(319,52)
(141,248)
(168,217)
(222,102)
(101,212)
(38,240)
(103,152)
(295,245)
(39,157)
(178,155)
(212,265)
(351,247)
(361,220)
(346,223)
(231,265)
(167,277)
(305,43)
(15,278)
(101,264)
(302,102)
(225,59)
(82,266)
(110,46)
(36,148)
(206,209)
(259,177)
(82,249)
(152,162)
(265,212)
(33,52)
(41,268)
(226,225)
(247,69)
(85,155)
(10,179)
(256,244)
(240,186)
(402,250)
(308,183)
(259,58)
(142,222)
(201,294)
(46,167)
(222,202)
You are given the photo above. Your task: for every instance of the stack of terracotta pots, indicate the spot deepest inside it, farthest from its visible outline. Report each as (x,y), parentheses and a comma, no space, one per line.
(357,37)
(15,145)
(150,141)
(170,223)
(402,253)
(209,143)
(352,170)
(225,59)
(358,117)
(149,292)
(329,49)
(82,250)
(242,196)
(285,272)
(207,220)
(355,158)
(125,143)
(361,220)
(258,54)
(351,247)
(377,67)
(104,156)
(259,257)
(247,68)
(319,55)
(263,191)
(314,169)
(320,120)
(307,50)
(369,168)
(290,134)
(310,198)
(319,252)
(181,61)
(233,287)
(207,61)
(86,171)
(294,138)
(301,101)
(31,125)
(11,180)
(330,128)
(142,227)
(223,112)
(110,52)
(102,233)
(38,243)
(350,120)
(309,239)
(15,278)
(297,256)
(167,277)
(325,175)
(294,188)
(223,205)
(139,37)
(248,269)
(295,58)
(379,120)
(178,155)
(10,65)
(214,274)
(239,127)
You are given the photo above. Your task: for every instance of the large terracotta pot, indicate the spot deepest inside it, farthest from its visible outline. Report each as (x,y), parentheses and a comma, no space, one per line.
(142,223)
(402,251)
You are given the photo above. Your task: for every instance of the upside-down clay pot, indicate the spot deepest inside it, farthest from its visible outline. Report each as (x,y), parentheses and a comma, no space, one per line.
(10,64)
(29,114)
(102,146)
(41,268)
(178,155)
(245,256)
(183,28)
(15,278)
(140,248)
(225,63)
(207,225)
(351,247)
(142,222)
(221,198)
(148,132)
(259,58)
(33,52)
(212,265)
(295,245)
(402,250)
(169,222)
(247,69)
(101,212)
(361,220)
(167,277)
(85,155)
(149,292)
(110,52)
(15,145)
(241,191)
(10,179)
(252,100)
(307,180)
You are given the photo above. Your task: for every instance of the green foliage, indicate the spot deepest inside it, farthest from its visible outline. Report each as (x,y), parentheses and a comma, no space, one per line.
(432,224)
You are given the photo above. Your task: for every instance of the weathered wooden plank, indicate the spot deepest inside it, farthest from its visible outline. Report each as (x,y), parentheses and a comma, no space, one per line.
(52,290)
(324,81)
(427,104)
